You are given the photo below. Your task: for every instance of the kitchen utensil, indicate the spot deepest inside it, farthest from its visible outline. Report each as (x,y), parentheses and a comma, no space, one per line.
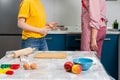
(18,53)
(50,55)
(86,63)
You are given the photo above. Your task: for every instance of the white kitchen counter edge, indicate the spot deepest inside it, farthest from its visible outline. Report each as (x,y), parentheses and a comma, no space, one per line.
(78,32)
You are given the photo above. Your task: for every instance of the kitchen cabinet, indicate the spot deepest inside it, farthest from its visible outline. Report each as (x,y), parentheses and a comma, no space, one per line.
(56,42)
(109,56)
(73,42)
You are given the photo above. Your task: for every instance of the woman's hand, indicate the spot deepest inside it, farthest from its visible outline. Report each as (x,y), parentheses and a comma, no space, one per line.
(93,44)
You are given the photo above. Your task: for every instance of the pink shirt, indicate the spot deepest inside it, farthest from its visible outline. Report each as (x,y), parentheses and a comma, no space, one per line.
(93,12)
(93,15)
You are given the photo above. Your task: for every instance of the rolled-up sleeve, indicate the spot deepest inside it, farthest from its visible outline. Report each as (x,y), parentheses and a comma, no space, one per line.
(94,12)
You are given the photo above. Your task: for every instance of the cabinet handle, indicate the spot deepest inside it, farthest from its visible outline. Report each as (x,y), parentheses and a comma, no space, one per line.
(104,39)
(77,39)
(48,38)
(107,39)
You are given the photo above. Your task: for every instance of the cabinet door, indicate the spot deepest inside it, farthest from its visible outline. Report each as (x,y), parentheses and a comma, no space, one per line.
(73,42)
(109,57)
(56,42)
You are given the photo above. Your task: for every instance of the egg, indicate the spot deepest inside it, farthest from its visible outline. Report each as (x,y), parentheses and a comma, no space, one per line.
(26,66)
(33,66)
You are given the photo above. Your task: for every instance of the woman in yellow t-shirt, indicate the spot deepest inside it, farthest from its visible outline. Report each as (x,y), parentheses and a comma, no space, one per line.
(32,20)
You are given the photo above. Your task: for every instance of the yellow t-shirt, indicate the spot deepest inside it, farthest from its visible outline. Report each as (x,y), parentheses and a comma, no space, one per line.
(34,13)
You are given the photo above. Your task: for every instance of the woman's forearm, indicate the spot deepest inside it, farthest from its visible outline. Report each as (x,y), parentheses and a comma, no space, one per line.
(94,33)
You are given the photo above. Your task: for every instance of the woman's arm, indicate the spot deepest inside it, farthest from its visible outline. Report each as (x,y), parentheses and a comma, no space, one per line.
(94,12)
(94,32)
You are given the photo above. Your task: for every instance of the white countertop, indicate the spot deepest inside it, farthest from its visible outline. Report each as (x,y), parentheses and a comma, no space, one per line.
(76,30)
(53,69)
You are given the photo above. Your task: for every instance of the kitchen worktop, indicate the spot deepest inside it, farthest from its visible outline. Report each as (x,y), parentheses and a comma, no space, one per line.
(52,69)
(77,30)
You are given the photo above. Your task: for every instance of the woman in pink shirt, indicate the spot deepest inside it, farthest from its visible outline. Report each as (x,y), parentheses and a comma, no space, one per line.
(93,25)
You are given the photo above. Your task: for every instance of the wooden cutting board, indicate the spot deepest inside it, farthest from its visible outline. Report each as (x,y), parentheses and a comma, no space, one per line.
(57,55)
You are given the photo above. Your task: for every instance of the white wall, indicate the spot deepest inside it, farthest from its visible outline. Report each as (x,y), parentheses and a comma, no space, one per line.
(68,12)
(113,12)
